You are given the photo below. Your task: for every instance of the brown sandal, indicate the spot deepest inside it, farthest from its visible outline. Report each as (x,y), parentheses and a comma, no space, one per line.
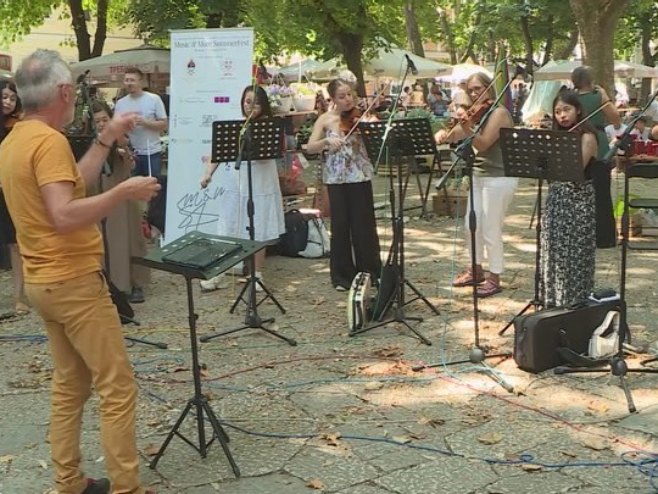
(466,279)
(489,288)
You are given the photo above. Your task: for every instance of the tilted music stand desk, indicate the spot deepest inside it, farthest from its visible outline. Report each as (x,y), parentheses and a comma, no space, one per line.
(238,141)
(200,403)
(413,137)
(543,155)
(408,137)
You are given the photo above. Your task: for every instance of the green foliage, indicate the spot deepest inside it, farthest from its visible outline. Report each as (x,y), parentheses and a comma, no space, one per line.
(18,17)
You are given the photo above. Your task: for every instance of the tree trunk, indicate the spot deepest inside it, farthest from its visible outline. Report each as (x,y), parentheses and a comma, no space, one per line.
(79,24)
(351,45)
(647,56)
(597,20)
(571,45)
(471,42)
(450,39)
(413,33)
(101,28)
(548,48)
(527,41)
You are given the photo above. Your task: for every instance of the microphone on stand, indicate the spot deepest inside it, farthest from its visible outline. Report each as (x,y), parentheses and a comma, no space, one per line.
(411,65)
(242,133)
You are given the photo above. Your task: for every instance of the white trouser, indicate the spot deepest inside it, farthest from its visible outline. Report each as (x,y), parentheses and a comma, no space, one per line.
(491,196)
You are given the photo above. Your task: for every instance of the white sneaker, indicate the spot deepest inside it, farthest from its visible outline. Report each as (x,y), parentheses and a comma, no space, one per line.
(216,283)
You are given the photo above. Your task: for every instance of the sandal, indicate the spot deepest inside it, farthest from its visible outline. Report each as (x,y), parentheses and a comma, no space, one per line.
(489,288)
(466,279)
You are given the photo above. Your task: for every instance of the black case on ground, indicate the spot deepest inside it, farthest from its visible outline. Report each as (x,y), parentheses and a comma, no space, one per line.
(537,336)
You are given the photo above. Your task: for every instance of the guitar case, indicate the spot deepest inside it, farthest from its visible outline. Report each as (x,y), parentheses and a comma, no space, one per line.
(540,338)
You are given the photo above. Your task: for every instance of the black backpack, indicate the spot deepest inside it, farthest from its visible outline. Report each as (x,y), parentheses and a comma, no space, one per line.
(294,240)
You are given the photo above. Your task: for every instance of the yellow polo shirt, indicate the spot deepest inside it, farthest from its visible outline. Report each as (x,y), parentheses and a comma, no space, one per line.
(31,156)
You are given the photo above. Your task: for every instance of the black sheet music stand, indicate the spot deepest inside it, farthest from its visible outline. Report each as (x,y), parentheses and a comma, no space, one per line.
(80,144)
(402,138)
(200,403)
(238,140)
(417,139)
(544,155)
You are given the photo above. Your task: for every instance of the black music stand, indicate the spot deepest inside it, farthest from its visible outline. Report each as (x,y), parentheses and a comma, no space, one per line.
(543,155)
(199,401)
(240,140)
(399,138)
(80,144)
(617,363)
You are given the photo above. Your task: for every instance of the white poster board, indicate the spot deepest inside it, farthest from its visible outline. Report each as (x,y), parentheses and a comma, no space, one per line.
(209,70)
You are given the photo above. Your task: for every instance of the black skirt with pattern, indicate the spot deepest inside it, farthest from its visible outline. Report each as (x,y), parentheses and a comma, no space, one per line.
(568,243)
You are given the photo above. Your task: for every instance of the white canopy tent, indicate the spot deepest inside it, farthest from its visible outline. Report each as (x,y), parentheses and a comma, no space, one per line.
(311,69)
(461,72)
(392,62)
(109,69)
(561,70)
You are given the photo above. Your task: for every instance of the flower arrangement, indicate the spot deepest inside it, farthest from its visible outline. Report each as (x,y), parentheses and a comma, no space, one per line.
(277,93)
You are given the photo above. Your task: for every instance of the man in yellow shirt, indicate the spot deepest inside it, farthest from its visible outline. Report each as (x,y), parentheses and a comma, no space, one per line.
(62,249)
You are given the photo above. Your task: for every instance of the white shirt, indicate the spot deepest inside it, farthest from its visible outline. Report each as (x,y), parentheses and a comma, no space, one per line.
(150,107)
(652,111)
(611,133)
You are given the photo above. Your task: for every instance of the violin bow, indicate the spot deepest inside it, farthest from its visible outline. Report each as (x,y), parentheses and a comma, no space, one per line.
(599,109)
(360,119)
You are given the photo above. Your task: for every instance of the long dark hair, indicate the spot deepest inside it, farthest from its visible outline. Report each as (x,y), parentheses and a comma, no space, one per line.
(19,106)
(260,98)
(570,97)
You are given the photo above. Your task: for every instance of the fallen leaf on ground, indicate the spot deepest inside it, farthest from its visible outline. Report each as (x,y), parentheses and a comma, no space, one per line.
(491,438)
(151,449)
(593,442)
(531,467)
(6,458)
(332,439)
(42,464)
(401,439)
(316,484)
(431,422)
(373,386)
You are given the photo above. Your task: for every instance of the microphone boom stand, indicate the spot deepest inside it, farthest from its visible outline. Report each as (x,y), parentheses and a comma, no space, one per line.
(477,355)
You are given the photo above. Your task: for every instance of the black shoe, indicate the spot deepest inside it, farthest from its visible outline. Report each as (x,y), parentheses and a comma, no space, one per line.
(100,486)
(136,296)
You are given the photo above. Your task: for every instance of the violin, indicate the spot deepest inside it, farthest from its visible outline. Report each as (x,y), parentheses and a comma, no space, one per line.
(349,119)
(476,111)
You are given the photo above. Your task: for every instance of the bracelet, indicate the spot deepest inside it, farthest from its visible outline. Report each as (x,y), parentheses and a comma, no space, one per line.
(101,143)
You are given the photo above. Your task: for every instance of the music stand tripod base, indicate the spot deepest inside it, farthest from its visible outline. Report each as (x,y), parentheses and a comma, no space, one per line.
(198,404)
(242,141)
(400,138)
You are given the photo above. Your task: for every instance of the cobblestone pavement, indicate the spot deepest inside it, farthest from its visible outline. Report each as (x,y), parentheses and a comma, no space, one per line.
(348,415)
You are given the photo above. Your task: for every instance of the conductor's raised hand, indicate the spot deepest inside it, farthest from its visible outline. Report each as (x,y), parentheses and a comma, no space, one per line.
(121,124)
(140,188)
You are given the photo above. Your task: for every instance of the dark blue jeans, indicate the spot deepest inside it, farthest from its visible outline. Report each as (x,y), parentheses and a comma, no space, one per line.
(142,165)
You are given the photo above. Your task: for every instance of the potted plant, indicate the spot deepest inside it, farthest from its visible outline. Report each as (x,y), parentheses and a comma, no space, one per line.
(280,98)
(304,97)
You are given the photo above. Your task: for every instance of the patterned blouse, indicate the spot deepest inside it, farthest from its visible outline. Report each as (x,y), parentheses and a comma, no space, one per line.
(348,165)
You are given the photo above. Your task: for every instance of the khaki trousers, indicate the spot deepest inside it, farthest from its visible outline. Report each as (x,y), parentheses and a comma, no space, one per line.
(84,333)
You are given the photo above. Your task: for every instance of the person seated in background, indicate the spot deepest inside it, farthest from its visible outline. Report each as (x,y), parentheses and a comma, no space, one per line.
(418,97)
(613,132)
(654,133)
(640,130)
(438,104)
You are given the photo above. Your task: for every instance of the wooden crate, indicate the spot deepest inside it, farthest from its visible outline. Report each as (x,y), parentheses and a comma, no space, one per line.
(455,206)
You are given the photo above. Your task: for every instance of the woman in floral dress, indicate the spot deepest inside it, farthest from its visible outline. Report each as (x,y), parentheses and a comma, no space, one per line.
(568,238)
(348,174)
